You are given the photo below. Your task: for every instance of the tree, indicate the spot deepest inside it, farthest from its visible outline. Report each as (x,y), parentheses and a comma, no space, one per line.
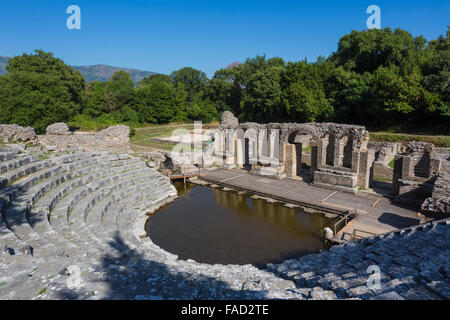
(156,102)
(119,91)
(40,90)
(347,92)
(95,99)
(366,51)
(304,97)
(263,100)
(155,77)
(147,113)
(225,89)
(193,80)
(181,112)
(203,111)
(392,97)
(436,73)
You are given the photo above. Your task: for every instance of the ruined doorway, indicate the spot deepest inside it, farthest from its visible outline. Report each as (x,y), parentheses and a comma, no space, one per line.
(302,153)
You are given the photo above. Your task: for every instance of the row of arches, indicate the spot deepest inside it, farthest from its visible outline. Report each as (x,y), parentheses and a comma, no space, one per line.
(248,147)
(329,154)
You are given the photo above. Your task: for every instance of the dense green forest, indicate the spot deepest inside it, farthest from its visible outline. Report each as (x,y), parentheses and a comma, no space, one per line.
(378,78)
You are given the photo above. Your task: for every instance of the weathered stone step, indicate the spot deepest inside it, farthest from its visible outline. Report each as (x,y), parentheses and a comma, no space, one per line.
(97,213)
(60,216)
(6,156)
(16,216)
(14,163)
(104,167)
(120,217)
(75,157)
(35,193)
(14,175)
(11,192)
(78,216)
(14,150)
(16,212)
(149,197)
(8,240)
(39,217)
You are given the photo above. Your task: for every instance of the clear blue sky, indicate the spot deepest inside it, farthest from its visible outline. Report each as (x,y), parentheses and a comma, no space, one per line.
(165,35)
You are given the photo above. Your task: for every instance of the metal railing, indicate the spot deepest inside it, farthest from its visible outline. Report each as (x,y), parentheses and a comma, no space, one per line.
(182,174)
(361,231)
(350,214)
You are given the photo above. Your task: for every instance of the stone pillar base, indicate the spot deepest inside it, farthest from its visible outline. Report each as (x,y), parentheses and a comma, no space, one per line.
(269,171)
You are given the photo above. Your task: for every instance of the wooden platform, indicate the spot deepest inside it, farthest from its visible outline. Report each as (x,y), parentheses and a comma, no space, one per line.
(178,177)
(375,214)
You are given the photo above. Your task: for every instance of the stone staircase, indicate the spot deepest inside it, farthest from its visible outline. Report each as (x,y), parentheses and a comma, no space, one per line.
(72,227)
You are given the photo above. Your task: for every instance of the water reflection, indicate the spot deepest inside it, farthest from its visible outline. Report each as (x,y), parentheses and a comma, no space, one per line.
(215,226)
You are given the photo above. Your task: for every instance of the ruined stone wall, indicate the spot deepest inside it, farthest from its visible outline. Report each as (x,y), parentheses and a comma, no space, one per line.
(339,157)
(384,151)
(415,171)
(381,170)
(439,202)
(114,138)
(16,133)
(442,150)
(58,137)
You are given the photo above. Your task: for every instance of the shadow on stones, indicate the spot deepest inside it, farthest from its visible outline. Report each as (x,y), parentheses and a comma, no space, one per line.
(397,221)
(130,276)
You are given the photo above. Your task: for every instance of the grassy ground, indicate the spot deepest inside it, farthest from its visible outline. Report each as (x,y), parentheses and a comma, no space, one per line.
(86,123)
(381,179)
(142,140)
(307,149)
(438,141)
(391,163)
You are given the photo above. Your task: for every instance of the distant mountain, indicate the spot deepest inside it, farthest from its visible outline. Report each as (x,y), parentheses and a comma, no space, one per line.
(98,72)
(102,72)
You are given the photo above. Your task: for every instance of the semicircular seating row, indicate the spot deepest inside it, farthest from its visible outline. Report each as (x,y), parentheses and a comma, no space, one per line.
(71,209)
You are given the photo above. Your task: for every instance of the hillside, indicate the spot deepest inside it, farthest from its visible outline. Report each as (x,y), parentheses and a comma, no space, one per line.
(103,72)
(94,73)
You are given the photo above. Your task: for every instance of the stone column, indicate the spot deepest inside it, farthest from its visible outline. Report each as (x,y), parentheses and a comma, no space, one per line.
(398,170)
(240,151)
(263,147)
(274,148)
(291,160)
(321,153)
(337,156)
(282,152)
(355,161)
(365,166)
(219,148)
(230,149)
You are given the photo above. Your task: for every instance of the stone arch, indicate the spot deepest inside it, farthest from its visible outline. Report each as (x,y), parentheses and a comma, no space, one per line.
(299,164)
(309,129)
